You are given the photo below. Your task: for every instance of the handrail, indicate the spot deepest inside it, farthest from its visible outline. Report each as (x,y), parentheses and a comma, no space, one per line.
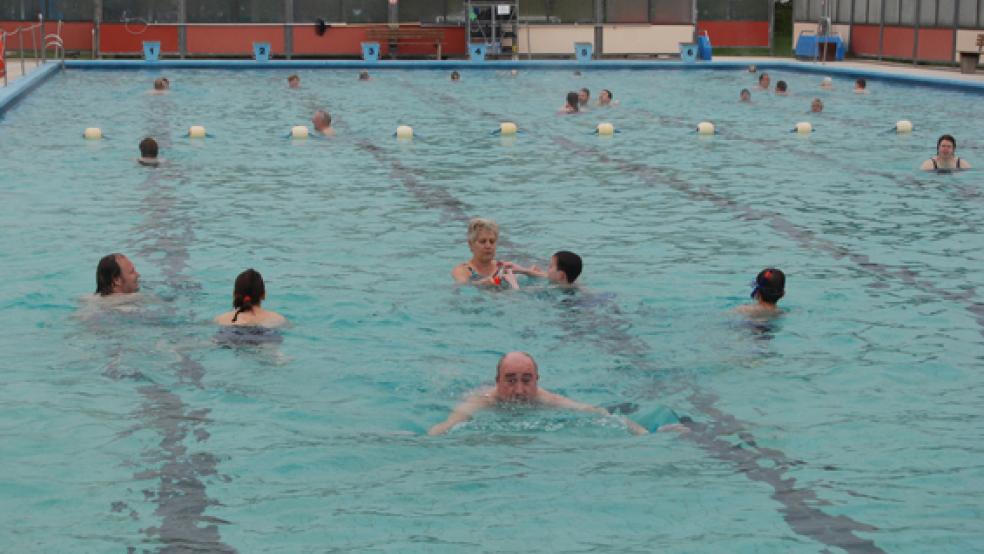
(37,41)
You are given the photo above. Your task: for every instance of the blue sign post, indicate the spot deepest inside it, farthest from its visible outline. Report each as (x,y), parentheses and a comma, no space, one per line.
(261,51)
(152,50)
(370,51)
(583,51)
(476,51)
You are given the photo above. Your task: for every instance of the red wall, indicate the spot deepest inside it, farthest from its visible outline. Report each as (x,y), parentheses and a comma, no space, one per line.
(115,39)
(736,33)
(231,40)
(347,41)
(864,40)
(224,39)
(936,45)
(76,35)
(898,42)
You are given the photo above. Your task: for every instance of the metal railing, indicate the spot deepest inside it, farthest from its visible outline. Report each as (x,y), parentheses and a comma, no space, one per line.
(39,44)
(34,30)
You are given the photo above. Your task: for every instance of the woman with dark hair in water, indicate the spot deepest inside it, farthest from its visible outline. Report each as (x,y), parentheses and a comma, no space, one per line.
(945,159)
(248,294)
(573,103)
(770,286)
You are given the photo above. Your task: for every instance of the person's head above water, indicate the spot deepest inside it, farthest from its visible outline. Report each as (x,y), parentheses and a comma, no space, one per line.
(752,68)
(745,95)
(160,83)
(363,75)
(770,285)
(455,76)
(248,292)
(583,96)
(516,377)
(827,83)
(860,84)
(572,102)
(764,80)
(604,97)
(483,235)
(816,106)
(148,148)
(946,145)
(565,267)
(294,81)
(781,87)
(115,274)
(321,120)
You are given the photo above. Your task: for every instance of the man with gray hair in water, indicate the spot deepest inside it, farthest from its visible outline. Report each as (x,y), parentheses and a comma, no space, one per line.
(516,382)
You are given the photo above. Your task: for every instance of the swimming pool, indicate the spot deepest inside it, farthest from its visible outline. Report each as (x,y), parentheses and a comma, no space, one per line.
(852,422)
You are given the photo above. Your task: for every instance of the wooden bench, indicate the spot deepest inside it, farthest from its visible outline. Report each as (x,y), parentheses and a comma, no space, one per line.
(969,58)
(396,37)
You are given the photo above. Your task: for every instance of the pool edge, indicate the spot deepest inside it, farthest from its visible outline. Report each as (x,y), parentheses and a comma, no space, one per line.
(11,94)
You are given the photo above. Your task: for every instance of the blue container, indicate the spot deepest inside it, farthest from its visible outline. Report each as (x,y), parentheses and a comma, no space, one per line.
(476,51)
(152,50)
(704,51)
(370,51)
(583,51)
(261,51)
(688,52)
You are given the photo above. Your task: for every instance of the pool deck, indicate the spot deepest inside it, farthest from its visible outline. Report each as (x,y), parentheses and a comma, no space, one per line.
(864,65)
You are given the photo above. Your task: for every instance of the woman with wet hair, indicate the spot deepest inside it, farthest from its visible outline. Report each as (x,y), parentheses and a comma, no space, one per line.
(946,159)
(247,295)
(483,268)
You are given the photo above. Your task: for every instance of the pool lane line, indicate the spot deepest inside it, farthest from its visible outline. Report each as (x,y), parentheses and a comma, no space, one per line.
(803,519)
(181,495)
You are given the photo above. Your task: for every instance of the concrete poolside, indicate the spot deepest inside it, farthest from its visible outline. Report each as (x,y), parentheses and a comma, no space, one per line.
(14,68)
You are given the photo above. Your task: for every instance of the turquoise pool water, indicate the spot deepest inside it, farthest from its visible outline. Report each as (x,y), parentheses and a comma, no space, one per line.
(853,423)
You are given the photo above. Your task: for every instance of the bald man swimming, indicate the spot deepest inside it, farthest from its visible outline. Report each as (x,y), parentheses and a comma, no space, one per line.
(516,382)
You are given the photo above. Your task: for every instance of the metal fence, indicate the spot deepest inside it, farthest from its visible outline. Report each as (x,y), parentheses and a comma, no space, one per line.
(360,11)
(963,14)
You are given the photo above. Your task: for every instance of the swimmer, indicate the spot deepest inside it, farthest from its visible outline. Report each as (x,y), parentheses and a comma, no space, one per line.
(293,81)
(247,295)
(514,72)
(322,123)
(161,85)
(577,73)
(816,106)
(764,81)
(860,86)
(770,286)
(605,98)
(781,89)
(945,158)
(483,269)
(455,76)
(564,269)
(752,69)
(148,153)
(116,274)
(571,104)
(363,75)
(745,95)
(583,96)
(516,383)
(827,83)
